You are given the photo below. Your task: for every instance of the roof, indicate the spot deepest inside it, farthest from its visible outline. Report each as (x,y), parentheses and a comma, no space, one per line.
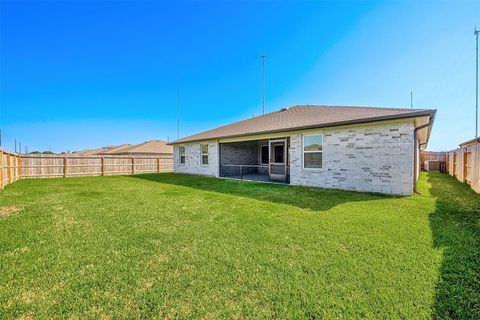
(148,147)
(92,152)
(119,148)
(305,117)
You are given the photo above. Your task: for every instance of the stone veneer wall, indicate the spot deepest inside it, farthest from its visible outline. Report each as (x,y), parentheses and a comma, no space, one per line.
(193,163)
(376,158)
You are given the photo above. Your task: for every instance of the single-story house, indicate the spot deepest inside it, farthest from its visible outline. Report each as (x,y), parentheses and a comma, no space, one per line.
(352,148)
(147,148)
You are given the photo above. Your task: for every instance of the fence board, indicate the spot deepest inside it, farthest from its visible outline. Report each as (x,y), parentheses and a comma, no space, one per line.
(464,164)
(9,167)
(14,166)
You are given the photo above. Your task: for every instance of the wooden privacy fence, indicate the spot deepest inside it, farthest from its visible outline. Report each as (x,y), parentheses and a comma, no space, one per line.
(10,166)
(16,166)
(433,161)
(464,164)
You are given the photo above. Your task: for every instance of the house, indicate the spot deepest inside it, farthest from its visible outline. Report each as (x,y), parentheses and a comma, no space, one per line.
(119,148)
(351,148)
(148,148)
(92,152)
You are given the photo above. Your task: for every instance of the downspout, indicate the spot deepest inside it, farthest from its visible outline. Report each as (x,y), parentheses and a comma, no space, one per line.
(415,152)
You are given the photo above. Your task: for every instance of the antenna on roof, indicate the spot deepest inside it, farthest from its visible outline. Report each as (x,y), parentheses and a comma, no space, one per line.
(411,99)
(263,56)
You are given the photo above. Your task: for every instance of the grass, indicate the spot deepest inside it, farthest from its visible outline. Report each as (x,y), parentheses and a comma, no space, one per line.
(176,246)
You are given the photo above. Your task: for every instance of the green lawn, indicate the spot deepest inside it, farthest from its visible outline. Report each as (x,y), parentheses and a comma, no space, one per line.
(176,246)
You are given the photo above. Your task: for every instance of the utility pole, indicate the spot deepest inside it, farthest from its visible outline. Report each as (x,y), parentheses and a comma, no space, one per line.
(178,113)
(178,104)
(19,147)
(15,145)
(263,83)
(476,32)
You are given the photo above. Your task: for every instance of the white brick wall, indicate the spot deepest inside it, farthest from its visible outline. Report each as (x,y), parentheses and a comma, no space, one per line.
(374,158)
(193,163)
(377,158)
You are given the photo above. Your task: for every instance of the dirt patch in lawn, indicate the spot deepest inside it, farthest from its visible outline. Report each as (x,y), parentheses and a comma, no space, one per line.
(9,211)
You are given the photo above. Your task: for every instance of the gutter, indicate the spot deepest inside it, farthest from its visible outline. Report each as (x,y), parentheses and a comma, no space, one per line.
(415,131)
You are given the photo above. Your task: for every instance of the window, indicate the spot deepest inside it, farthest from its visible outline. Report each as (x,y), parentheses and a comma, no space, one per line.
(204,150)
(312,151)
(181,152)
(264,155)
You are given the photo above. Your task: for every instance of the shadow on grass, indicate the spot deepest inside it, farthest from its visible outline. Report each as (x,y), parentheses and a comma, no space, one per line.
(315,199)
(455,226)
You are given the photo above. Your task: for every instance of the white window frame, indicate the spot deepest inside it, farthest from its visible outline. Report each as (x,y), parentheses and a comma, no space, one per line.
(204,154)
(180,148)
(303,151)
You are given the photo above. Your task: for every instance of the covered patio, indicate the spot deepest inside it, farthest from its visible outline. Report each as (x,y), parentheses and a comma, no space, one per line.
(257,160)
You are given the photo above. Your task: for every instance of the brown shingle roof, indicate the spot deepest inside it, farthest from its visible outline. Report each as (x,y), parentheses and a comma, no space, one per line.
(303,117)
(92,152)
(118,149)
(148,147)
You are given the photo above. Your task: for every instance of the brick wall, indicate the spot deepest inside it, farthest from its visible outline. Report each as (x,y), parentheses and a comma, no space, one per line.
(373,158)
(376,158)
(193,163)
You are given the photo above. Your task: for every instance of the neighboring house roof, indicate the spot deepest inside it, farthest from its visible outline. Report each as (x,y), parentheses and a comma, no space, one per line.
(305,117)
(93,152)
(148,147)
(117,149)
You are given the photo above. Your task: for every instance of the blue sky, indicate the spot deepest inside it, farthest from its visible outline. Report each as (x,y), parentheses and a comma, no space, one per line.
(85,74)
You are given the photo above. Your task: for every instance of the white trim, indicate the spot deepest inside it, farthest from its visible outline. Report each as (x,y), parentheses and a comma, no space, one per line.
(303,151)
(180,155)
(204,154)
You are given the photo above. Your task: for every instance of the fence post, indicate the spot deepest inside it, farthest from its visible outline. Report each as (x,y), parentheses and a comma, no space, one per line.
(9,172)
(158,165)
(14,168)
(65,167)
(1,169)
(103,165)
(133,165)
(19,167)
